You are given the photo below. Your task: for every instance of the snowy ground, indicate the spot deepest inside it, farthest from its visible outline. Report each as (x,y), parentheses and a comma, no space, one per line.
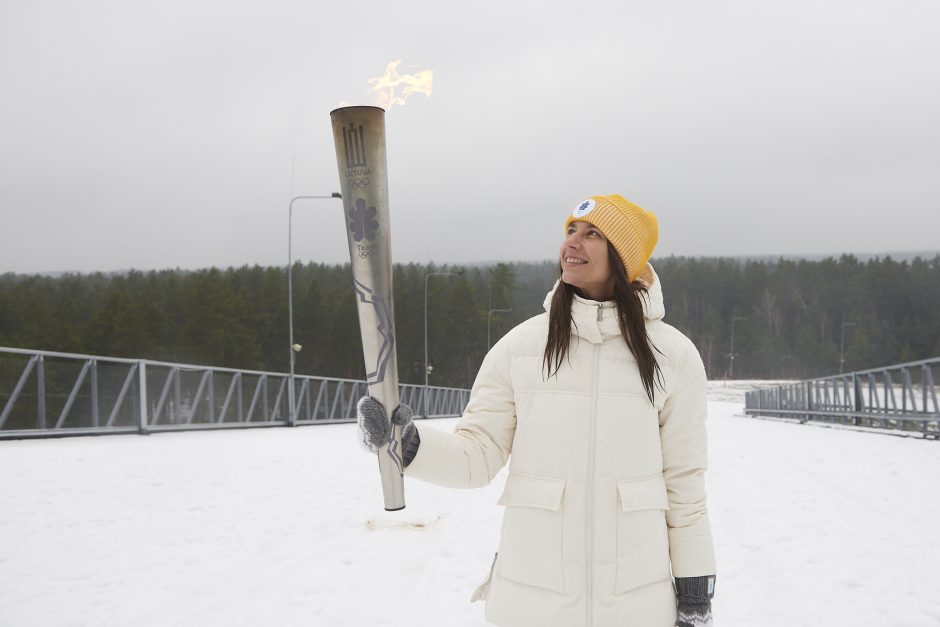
(734,391)
(285,527)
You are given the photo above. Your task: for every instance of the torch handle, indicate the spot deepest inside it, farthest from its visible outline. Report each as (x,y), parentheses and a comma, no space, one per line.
(391,464)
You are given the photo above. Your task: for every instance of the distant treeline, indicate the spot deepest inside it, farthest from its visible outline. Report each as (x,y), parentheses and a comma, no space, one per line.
(790,324)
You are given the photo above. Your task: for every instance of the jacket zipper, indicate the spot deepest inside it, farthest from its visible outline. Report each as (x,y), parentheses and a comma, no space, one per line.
(590,490)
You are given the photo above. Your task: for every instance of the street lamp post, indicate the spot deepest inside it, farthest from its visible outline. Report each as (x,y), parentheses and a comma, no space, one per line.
(842,344)
(489,315)
(427,370)
(294,348)
(731,354)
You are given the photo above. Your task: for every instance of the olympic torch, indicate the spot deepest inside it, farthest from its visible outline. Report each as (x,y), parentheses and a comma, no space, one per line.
(359,137)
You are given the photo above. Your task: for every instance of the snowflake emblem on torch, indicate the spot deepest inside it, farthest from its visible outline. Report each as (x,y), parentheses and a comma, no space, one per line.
(362,220)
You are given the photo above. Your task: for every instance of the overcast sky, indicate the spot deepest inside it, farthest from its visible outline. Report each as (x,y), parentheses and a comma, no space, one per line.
(162,134)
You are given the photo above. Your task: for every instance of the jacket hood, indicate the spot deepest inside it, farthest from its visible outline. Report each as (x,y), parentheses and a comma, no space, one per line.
(597,320)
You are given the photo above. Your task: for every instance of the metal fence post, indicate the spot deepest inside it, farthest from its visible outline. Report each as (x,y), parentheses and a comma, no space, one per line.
(40,393)
(809,400)
(94,393)
(857,404)
(211,396)
(142,396)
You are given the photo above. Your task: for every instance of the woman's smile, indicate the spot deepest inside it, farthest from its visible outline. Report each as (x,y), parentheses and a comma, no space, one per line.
(584,261)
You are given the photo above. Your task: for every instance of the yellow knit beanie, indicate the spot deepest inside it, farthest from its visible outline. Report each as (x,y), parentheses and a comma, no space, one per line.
(632,229)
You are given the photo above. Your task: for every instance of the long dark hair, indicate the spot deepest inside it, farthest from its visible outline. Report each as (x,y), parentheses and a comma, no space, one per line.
(627,296)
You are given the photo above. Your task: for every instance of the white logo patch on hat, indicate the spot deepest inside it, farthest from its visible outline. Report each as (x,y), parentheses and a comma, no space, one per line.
(583,209)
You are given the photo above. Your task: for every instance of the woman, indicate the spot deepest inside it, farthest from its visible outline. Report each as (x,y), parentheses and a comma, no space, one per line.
(599,407)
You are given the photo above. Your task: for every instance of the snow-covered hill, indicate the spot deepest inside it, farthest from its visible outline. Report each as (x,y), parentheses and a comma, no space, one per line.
(285,527)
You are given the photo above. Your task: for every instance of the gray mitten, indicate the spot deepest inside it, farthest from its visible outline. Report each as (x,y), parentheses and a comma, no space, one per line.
(375,431)
(695,600)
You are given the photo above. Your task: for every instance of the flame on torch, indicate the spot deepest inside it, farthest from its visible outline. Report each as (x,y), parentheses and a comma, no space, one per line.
(384,89)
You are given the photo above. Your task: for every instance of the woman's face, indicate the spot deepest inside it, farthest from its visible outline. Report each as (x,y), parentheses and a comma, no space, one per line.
(584,261)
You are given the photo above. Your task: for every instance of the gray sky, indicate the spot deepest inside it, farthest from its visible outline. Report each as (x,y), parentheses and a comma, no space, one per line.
(161,134)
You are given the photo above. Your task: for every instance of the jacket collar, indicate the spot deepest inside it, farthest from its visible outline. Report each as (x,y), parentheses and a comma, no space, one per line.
(595,320)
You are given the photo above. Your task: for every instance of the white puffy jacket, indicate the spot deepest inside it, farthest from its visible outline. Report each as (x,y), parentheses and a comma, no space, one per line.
(605,498)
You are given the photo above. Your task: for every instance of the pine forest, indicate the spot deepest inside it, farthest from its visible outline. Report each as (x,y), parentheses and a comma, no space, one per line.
(793,319)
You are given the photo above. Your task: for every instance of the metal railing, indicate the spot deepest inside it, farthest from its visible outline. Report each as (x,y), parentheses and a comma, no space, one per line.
(44,393)
(901,397)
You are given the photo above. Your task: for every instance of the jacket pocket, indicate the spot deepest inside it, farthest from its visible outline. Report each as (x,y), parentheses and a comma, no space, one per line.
(530,546)
(642,537)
